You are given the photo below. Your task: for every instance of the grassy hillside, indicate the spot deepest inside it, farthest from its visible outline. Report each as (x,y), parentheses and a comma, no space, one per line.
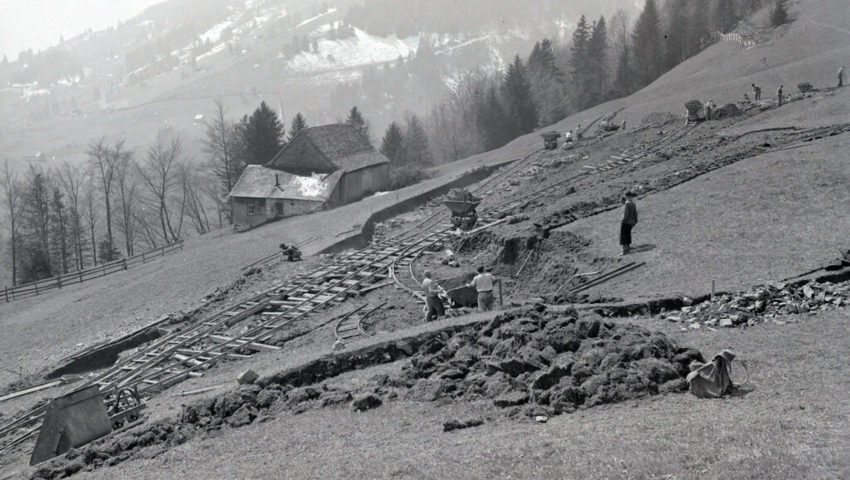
(765,217)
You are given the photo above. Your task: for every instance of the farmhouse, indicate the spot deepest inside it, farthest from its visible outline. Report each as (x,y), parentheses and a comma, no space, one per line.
(322,167)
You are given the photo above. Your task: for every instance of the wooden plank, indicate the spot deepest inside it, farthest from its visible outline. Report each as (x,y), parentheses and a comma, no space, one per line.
(252,346)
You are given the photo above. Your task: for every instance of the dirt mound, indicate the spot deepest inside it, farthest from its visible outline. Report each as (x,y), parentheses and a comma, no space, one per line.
(658,119)
(728,110)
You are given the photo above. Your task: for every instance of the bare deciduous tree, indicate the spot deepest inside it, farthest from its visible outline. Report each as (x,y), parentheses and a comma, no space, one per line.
(103,157)
(90,205)
(12,202)
(127,189)
(158,172)
(73,180)
(190,182)
(222,144)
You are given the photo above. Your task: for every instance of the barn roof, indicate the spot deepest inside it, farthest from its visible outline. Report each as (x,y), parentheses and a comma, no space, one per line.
(341,143)
(258,181)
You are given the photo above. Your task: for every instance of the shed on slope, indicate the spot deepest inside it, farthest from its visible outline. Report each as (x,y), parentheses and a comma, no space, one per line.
(263,194)
(332,148)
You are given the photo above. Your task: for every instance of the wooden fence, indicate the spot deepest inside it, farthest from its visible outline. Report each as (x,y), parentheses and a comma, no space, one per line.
(739,39)
(42,286)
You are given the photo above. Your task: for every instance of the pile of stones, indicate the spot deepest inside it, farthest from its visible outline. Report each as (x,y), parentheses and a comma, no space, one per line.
(763,303)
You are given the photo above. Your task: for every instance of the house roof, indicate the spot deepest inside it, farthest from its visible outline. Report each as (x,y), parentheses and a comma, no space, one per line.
(258,181)
(341,143)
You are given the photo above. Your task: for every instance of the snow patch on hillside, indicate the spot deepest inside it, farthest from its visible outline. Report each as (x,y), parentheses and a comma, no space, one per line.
(214,33)
(312,19)
(362,49)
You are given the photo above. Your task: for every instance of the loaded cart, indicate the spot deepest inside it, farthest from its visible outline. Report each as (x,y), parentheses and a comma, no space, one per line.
(462,204)
(550,139)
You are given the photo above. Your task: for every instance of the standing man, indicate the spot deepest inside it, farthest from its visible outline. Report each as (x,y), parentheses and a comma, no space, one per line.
(483,283)
(756,92)
(709,107)
(841,77)
(433,304)
(779,96)
(630,219)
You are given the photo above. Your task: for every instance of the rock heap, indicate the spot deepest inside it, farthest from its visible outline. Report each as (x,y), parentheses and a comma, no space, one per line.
(543,362)
(764,303)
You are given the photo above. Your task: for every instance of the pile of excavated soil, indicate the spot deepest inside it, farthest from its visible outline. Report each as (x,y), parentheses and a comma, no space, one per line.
(546,362)
(537,263)
(531,361)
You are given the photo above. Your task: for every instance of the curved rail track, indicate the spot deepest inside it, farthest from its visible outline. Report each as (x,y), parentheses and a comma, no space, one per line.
(626,157)
(187,353)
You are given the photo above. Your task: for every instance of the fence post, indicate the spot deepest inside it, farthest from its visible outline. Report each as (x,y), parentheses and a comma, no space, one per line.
(103,267)
(58,282)
(163,251)
(81,275)
(143,257)
(36,287)
(125,264)
(6,292)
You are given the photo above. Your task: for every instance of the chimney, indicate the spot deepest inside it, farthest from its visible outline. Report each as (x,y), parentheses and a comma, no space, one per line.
(276,181)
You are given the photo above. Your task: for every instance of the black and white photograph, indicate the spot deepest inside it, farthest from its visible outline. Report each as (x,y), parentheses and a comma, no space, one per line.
(424,239)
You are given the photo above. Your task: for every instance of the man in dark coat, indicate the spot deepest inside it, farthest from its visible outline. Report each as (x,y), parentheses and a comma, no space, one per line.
(630,219)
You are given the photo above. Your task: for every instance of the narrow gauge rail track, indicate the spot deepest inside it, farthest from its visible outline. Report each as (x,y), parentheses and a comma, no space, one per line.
(353,323)
(626,157)
(179,355)
(182,354)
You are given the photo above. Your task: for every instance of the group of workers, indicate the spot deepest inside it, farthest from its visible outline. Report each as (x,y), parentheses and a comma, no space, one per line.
(483,283)
(780,96)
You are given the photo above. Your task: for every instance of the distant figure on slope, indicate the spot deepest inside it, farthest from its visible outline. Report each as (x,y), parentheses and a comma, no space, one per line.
(756,92)
(291,252)
(841,77)
(578,132)
(709,108)
(630,219)
(433,305)
(568,137)
(483,283)
(623,126)
(779,96)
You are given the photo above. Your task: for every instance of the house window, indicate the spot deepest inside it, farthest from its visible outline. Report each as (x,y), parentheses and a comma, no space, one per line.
(278,209)
(253,207)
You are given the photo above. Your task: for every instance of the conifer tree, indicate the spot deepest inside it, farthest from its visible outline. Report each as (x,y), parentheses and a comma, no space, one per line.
(597,57)
(579,63)
(624,77)
(261,133)
(698,27)
(724,19)
(392,145)
(519,106)
(416,150)
(355,118)
(547,82)
(298,124)
(647,47)
(490,119)
(677,49)
(779,15)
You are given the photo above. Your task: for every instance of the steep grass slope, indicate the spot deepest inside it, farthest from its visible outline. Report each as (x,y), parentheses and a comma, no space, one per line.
(808,50)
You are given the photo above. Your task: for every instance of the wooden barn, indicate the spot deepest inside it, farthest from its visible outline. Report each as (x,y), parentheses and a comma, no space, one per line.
(263,194)
(332,148)
(322,167)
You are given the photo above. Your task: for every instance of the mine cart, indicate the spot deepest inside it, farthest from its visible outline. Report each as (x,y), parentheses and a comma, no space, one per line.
(696,111)
(550,140)
(462,204)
